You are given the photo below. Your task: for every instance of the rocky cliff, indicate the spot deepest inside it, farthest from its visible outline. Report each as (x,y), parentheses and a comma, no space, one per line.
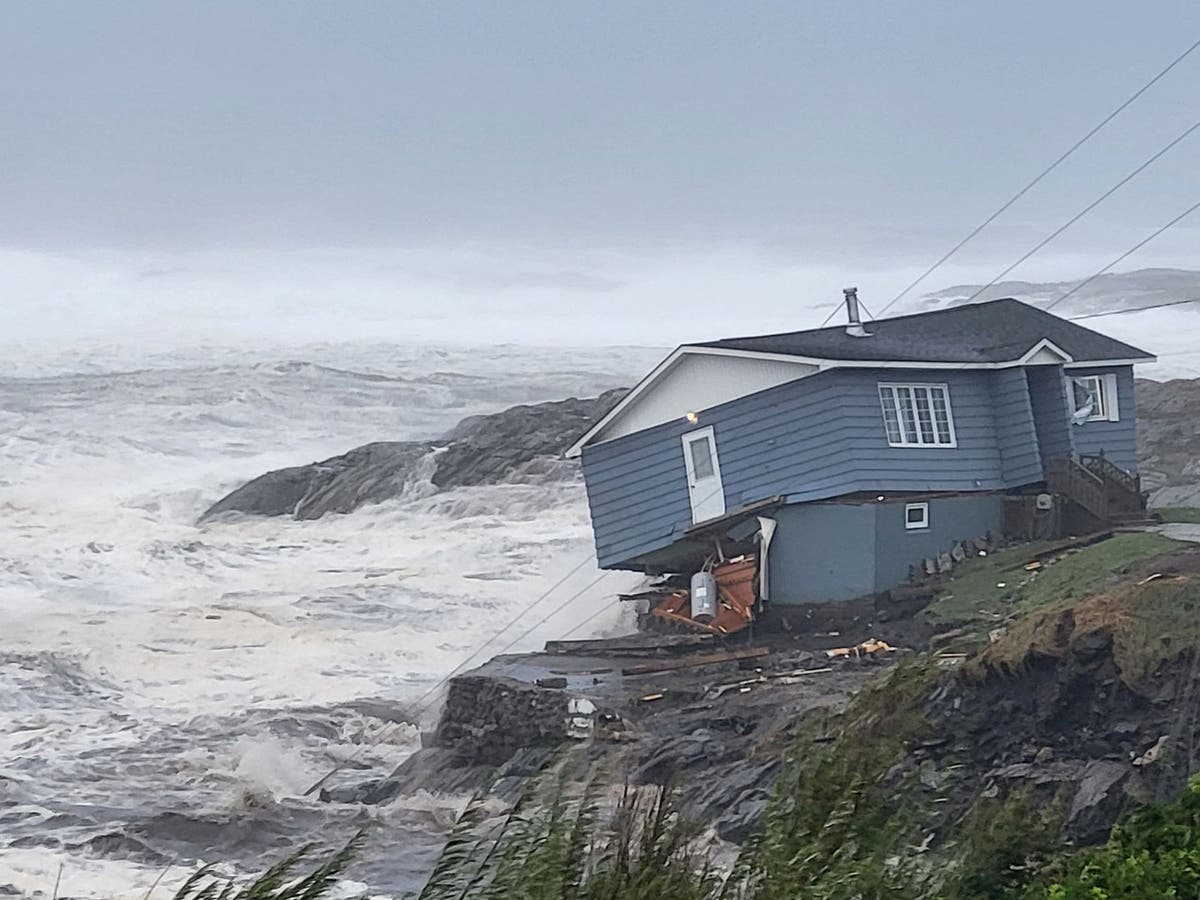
(520,444)
(1169,440)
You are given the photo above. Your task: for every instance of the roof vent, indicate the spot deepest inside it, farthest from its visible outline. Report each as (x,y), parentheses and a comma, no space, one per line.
(855,326)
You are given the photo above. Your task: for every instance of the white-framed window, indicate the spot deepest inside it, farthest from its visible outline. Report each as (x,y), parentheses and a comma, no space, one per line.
(917,415)
(1094,398)
(916,515)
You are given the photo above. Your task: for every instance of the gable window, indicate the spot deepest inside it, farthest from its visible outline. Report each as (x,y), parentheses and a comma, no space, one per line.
(916,515)
(1094,398)
(917,415)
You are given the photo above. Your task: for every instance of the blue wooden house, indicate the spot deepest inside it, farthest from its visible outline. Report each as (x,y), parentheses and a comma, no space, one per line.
(862,449)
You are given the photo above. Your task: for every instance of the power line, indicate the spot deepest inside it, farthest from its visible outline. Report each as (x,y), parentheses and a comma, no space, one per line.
(1131,309)
(425,700)
(1087,209)
(1023,191)
(1138,246)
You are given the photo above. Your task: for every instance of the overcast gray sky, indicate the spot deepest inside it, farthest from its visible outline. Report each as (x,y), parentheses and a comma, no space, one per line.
(545,159)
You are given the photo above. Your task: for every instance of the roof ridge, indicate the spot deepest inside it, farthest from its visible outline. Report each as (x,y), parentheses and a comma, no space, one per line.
(838,328)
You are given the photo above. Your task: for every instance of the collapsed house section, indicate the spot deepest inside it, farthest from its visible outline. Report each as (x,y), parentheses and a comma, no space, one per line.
(716,580)
(724,575)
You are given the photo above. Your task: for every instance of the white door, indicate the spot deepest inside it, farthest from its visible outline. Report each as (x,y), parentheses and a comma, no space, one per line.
(704,475)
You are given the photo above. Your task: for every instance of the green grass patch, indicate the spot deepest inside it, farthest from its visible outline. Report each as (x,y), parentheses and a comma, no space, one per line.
(1187,514)
(987,590)
(1153,855)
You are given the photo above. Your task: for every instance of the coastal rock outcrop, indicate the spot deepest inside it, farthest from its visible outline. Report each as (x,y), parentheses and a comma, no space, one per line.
(525,443)
(519,445)
(1169,440)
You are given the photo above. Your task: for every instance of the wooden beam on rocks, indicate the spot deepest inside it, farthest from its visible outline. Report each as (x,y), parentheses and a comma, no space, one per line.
(690,662)
(630,644)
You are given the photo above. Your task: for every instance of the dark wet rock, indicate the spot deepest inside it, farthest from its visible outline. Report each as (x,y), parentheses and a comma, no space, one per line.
(441,770)
(1098,801)
(10,890)
(671,760)
(739,799)
(1093,647)
(373,791)
(520,445)
(116,845)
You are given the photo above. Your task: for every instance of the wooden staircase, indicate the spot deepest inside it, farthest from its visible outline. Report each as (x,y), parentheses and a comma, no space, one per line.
(1099,486)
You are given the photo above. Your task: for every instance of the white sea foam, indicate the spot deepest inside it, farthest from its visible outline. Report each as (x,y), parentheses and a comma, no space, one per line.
(168,690)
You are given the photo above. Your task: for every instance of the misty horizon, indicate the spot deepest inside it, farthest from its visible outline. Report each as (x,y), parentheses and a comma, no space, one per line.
(537,174)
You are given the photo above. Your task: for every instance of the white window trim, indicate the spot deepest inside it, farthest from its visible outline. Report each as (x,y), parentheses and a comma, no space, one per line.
(916,526)
(1110,404)
(904,442)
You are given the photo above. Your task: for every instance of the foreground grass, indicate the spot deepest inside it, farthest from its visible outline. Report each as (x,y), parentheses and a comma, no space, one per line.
(569,851)
(279,882)
(804,852)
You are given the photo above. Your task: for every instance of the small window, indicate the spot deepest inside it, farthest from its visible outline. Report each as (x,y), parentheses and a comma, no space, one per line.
(917,415)
(1093,398)
(702,464)
(916,515)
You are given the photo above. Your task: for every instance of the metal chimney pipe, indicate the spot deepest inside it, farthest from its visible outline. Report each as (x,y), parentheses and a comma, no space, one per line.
(855,326)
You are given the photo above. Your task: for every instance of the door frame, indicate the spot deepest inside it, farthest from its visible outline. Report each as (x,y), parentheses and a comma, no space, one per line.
(687,440)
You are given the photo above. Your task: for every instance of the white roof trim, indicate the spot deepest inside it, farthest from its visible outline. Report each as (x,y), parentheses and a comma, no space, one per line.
(661,369)
(825,364)
(1098,363)
(1046,344)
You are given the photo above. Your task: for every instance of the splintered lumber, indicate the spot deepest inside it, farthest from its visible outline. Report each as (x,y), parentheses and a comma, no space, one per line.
(691,662)
(630,644)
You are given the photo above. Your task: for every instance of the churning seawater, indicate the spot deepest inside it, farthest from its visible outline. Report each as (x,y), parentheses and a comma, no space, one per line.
(168,690)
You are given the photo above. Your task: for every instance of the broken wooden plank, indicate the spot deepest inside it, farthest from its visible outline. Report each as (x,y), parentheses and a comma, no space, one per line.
(691,662)
(629,644)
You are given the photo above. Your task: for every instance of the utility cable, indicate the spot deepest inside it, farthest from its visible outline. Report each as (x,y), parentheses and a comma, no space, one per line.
(426,700)
(1087,209)
(1023,191)
(1132,309)
(1138,246)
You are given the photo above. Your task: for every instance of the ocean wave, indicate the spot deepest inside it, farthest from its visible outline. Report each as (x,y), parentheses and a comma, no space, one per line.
(171,688)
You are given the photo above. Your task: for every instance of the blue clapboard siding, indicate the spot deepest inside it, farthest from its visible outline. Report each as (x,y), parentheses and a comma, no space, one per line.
(1118,439)
(809,439)
(822,552)
(1051,411)
(1016,434)
(825,552)
(951,519)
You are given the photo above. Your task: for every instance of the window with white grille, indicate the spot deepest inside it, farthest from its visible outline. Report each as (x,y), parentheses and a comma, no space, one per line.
(917,415)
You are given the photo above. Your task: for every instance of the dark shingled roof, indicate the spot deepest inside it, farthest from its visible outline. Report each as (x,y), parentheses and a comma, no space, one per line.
(991,332)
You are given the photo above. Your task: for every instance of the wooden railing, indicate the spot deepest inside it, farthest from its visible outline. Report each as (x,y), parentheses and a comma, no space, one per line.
(1098,485)
(1078,483)
(1123,487)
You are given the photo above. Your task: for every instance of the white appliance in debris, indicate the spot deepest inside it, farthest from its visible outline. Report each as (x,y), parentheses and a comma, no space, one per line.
(704,596)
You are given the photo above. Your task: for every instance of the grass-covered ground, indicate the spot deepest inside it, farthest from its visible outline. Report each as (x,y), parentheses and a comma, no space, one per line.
(1187,514)
(985,592)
